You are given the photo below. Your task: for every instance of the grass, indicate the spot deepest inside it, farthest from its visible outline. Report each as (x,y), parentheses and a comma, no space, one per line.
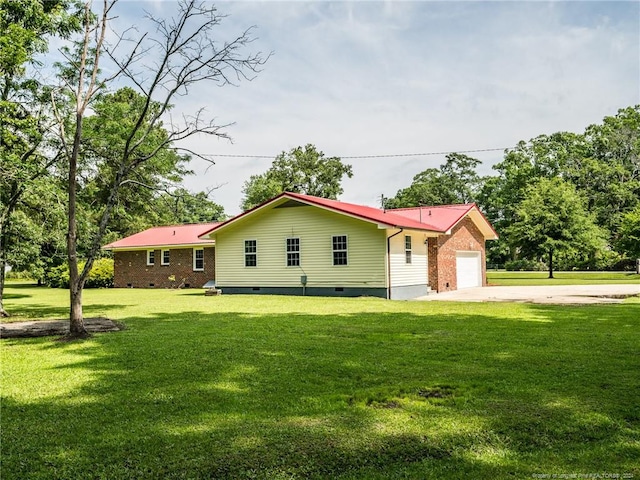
(561,278)
(290,387)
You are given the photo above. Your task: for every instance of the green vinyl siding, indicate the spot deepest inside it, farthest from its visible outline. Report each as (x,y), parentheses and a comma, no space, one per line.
(315,227)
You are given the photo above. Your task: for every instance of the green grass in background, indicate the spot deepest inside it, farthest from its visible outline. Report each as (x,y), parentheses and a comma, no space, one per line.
(292,387)
(561,278)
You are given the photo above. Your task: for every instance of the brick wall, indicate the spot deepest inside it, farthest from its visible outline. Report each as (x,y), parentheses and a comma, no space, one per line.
(131,269)
(442,272)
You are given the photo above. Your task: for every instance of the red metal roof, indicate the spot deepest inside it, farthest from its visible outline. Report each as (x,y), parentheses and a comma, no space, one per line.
(443,217)
(173,235)
(435,219)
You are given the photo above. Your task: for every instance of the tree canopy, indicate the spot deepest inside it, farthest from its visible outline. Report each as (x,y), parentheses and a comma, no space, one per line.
(629,234)
(456,181)
(551,218)
(25,151)
(302,170)
(603,166)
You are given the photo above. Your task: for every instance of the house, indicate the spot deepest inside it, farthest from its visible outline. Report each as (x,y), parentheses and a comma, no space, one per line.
(303,245)
(164,257)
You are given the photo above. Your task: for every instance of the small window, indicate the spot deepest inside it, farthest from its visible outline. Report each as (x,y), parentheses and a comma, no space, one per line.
(165,257)
(250,253)
(339,245)
(407,248)
(293,252)
(151,257)
(198,259)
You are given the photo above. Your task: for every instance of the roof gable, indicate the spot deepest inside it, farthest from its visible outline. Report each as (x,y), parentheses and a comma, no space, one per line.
(430,219)
(168,236)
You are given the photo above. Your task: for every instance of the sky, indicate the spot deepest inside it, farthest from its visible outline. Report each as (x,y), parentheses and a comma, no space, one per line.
(392,78)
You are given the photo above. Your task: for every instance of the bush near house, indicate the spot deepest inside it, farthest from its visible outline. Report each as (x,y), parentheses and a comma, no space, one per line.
(101,275)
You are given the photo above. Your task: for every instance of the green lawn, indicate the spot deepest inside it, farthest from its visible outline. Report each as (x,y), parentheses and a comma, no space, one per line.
(561,278)
(292,387)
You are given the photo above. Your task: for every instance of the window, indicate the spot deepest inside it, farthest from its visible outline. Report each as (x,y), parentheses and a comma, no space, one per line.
(151,257)
(339,244)
(293,252)
(407,249)
(198,259)
(165,257)
(250,253)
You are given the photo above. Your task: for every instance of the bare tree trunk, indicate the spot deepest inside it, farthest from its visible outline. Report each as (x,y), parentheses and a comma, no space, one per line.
(76,325)
(550,263)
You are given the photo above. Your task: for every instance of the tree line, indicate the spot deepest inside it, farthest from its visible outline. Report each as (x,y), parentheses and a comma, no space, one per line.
(565,199)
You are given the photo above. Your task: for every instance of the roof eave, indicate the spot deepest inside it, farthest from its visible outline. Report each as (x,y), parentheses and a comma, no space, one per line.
(148,247)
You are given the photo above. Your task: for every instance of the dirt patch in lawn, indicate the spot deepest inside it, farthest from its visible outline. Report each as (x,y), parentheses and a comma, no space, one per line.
(443,391)
(45,328)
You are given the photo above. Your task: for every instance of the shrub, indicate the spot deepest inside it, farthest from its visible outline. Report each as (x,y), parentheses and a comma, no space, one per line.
(101,275)
(602,260)
(57,277)
(18,275)
(524,265)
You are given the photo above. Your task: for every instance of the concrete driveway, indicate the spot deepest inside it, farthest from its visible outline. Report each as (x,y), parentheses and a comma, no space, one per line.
(554,294)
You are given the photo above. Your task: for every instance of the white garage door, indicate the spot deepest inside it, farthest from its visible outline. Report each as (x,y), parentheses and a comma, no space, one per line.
(468,269)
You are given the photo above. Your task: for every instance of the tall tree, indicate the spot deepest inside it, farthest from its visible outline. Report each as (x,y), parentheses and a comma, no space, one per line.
(545,156)
(182,206)
(300,170)
(186,52)
(104,134)
(456,181)
(552,218)
(609,171)
(24,29)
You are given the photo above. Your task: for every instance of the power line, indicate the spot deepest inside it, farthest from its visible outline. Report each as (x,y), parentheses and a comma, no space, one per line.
(427,153)
(389,155)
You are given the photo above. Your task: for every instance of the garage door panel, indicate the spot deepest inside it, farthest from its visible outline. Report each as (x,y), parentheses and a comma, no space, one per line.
(468,269)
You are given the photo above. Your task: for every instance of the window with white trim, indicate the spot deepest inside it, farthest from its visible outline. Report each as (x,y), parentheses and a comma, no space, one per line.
(339,247)
(166,256)
(198,259)
(151,258)
(407,248)
(293,252)
(250,253)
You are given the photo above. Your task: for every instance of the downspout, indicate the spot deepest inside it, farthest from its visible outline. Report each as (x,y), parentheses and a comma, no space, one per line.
(389,262)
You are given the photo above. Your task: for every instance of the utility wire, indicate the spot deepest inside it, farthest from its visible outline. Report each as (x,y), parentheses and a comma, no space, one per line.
(390,155)
(427,153)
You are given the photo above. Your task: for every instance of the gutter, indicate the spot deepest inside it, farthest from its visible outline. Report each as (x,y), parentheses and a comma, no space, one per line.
(389,261)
